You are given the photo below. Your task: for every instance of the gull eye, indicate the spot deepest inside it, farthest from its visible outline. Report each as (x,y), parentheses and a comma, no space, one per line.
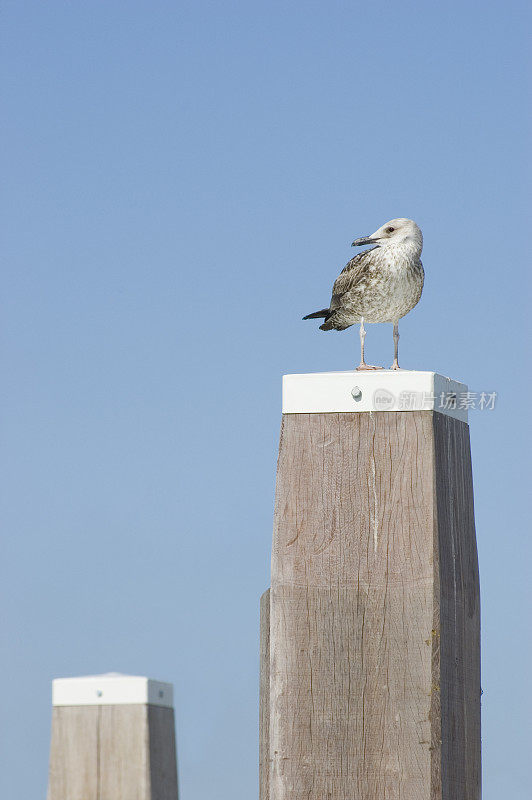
(390,230)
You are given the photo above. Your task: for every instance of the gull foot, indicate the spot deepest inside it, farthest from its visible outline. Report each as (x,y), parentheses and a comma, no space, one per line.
(364,366)
(395,365)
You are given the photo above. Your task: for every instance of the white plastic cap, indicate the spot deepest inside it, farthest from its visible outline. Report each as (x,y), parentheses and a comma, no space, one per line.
(112,688)
(379,390)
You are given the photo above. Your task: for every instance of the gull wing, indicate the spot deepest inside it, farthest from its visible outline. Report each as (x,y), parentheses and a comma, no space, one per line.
(354,272)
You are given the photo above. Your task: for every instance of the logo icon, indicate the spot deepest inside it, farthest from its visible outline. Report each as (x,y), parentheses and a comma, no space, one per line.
(383,400)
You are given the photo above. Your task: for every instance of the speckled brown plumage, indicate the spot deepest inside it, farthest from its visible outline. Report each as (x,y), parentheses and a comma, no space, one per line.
(375,287)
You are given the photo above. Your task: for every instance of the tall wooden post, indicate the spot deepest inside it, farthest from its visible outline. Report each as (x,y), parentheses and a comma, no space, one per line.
(112,739)
(370,683)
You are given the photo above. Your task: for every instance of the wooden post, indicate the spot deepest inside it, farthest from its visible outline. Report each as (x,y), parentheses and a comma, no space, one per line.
(374,619)
(112,738)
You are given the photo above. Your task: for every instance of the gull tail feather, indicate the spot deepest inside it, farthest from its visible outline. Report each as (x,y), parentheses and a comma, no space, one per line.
(319,314)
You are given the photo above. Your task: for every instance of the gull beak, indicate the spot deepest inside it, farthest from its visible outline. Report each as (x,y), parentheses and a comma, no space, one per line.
(365,240)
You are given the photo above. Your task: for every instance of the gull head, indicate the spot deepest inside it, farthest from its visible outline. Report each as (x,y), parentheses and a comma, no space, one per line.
(397,232)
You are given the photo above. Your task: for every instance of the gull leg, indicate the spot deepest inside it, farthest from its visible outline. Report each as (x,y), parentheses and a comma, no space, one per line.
(395,364)
(363,364)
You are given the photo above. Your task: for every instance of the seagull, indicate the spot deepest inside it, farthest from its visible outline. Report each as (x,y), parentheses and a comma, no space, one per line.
(378,285)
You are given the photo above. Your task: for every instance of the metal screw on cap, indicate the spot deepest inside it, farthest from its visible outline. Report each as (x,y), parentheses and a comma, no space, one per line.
(356,393)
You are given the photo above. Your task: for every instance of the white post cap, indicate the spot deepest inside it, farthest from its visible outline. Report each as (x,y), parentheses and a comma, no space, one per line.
(379,390)
(112,688)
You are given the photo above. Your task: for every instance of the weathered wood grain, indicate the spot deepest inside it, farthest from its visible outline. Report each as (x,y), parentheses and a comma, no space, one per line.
(459,612)
(112,752)
(162,753)
(74,753)
(373,542)
(264,701)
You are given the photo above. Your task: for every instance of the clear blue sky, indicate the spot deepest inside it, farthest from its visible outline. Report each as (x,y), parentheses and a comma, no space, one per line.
(182,181)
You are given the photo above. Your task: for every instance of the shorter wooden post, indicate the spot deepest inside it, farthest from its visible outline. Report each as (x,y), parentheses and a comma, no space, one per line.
(112,737)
